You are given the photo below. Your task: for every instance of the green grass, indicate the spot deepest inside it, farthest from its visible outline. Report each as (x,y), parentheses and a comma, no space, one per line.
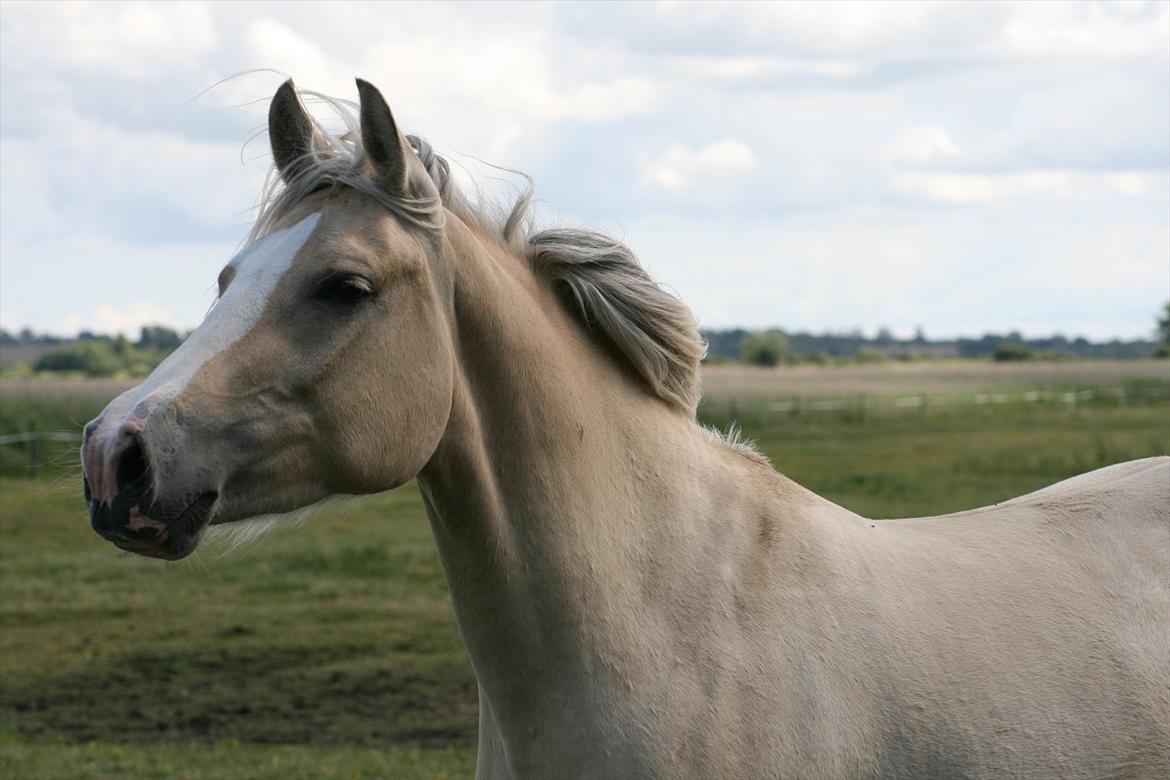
(330,650)
(226,760)
(951,459)
(338,633)
(51,414)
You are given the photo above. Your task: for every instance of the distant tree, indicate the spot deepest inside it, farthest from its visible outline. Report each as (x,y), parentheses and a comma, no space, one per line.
(884,336)
(1011,350)
(869,356)
(716,359)
(122,347)
(92,358)
(763,347)
(158,337)
(6,337)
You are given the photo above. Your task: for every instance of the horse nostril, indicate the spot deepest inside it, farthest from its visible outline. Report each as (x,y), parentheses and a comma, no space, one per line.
(121,518)
(133,470)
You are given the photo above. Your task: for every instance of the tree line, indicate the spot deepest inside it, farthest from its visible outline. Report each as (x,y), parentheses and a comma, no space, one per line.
(98,355)
(775,346)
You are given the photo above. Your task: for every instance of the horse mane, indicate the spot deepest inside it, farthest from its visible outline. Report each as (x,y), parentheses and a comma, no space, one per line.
(617,300)
(653,329)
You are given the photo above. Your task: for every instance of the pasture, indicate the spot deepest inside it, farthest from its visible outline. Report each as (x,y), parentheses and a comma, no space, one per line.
(330,649)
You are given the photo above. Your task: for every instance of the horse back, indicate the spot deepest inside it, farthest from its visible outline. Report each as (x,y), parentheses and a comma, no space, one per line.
(1045,619)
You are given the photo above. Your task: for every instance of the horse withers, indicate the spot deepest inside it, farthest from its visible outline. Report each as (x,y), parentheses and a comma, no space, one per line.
(639,596)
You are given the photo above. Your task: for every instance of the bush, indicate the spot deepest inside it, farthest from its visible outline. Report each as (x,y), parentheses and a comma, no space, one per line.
(1008,351)
(159,338)
(869,356)
(106,356)
(714,359)
(763,348)
(92,358)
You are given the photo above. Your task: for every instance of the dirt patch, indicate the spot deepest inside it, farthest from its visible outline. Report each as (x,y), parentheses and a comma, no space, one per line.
(252,694)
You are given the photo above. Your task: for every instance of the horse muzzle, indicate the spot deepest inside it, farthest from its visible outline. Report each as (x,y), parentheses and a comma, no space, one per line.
(128,504)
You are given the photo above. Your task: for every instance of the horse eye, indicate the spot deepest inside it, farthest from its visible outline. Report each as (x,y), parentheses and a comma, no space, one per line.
(345,289)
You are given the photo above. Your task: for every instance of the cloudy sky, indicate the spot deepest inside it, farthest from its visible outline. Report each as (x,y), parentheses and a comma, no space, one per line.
(963,167)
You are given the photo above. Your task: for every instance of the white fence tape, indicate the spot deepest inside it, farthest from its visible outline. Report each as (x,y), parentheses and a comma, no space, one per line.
(20,438)
(812,405)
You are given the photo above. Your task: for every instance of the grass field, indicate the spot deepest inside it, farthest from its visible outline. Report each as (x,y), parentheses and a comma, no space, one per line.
(329,649)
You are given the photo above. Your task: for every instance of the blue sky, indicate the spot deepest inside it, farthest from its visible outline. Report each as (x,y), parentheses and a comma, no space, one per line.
(963,167)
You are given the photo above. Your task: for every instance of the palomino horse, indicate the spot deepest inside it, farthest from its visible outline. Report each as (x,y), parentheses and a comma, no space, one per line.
(639,596)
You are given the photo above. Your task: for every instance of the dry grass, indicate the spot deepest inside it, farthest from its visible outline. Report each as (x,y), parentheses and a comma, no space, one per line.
(39,387)
(941,377)
(720,381)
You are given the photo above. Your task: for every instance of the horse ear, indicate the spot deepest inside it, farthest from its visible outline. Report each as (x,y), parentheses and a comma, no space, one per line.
(384,145)
(290,130)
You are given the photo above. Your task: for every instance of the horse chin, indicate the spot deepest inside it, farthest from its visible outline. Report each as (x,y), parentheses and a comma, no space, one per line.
(180,538)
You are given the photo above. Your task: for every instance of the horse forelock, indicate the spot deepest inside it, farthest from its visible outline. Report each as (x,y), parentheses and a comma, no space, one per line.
(613,294)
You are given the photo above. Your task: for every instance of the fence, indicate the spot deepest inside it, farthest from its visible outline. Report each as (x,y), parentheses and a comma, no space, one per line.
(854,407)
(32,439)
(922,400)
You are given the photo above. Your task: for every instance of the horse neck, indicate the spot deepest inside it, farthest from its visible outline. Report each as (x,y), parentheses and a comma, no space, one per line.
(536,490)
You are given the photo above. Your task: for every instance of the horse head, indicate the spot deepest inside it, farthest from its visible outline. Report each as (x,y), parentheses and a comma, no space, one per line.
(324,367)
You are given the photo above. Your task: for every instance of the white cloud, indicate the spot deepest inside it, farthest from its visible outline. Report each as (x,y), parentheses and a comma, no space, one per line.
(1104,28)
(968,188)
(818,164)
(277,46)
(127,321)
(924,144)
(954,275)
(81,171)
(758,67)
(516,77)
(884,31)
(134,39)
(679,168)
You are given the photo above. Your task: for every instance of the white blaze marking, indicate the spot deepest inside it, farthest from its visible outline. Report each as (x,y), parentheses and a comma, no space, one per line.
(258,269)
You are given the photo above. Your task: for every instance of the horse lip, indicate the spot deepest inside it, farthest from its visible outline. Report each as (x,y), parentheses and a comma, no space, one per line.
(155,548)
(180,537)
